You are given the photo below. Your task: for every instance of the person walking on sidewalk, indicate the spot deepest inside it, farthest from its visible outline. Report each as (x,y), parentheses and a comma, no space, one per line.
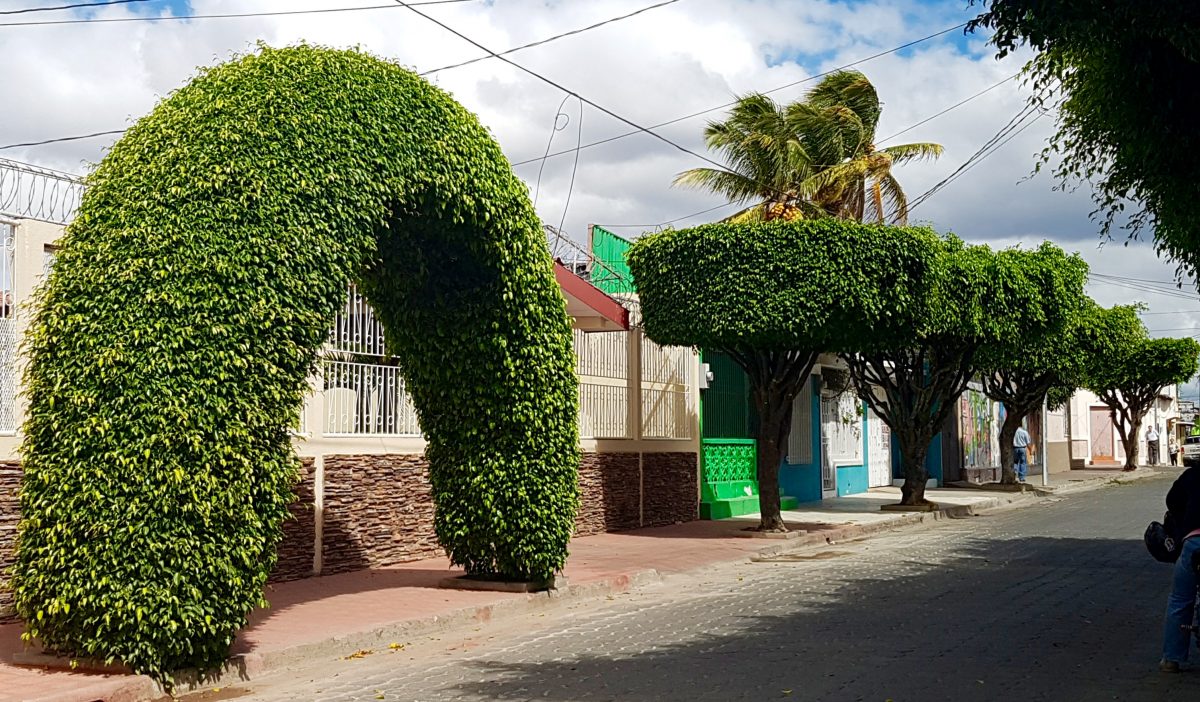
(1183,506)
(1020,453)
(1173,449)
(1152,445)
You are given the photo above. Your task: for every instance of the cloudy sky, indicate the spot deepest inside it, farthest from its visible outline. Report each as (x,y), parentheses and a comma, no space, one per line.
(680,58)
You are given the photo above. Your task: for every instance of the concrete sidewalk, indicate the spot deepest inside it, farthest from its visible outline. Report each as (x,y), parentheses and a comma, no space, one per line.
(340,614)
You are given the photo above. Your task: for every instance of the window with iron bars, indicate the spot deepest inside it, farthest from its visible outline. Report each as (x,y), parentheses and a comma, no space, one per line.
(364,390)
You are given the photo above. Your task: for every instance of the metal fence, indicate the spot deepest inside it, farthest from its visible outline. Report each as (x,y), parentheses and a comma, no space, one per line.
(39,193)
(364,391)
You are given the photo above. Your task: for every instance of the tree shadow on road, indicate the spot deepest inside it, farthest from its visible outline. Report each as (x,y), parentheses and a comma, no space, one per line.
(1031,618)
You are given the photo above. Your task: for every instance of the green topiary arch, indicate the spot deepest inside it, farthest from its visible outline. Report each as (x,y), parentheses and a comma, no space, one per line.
(171,347)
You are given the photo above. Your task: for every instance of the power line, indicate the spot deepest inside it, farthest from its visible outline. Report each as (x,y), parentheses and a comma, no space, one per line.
(669,221)
(59,139)
(71,7)
(1172,312)
(563,88)
(232,15)
(374,7)
(902,131)
(547,40)
(1019,123)
(948,109)
(764,92)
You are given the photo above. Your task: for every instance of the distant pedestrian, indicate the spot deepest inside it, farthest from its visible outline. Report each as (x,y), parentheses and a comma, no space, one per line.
(1020,453)
(1173,449)
(1152,445)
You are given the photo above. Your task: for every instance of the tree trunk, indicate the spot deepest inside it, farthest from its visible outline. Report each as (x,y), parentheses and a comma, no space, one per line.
(774,422)
(770,453)
(1008,430)
(912,460)
(1132,444)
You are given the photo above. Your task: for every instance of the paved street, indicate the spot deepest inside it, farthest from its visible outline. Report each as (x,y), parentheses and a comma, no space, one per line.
(1058,601)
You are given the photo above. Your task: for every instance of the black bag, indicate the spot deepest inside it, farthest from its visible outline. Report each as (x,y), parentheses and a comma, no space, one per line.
(1161,540)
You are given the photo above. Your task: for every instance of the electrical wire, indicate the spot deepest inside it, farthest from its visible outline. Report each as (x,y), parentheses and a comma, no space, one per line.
(764,92)
(554,129)
(547,40)
(934,116)
(955,106)
(574,168)
(71,7)
(61,139)
(1019,123)
(231,15)
(348,9)
(563,88)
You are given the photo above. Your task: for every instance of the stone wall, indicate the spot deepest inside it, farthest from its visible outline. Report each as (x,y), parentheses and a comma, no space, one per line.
(378,511)
(299,532)
(670,488)
(10,514)
(610,493)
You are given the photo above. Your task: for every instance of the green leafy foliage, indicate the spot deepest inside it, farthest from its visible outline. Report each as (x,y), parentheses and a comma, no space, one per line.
(775,295)
(171,346)
(975,298)
(1127,369)
(824,284)
(1122,75)
(1021,374)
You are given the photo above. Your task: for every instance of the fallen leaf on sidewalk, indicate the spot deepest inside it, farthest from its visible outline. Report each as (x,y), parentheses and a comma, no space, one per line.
(362,653)
(396,646)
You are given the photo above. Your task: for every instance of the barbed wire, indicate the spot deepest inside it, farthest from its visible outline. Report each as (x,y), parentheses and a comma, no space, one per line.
(36,192)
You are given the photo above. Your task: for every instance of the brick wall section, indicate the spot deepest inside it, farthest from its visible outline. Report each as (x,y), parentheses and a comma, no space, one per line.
(378,512)
(10,514)
(299,532)
(671,488)
(609,493)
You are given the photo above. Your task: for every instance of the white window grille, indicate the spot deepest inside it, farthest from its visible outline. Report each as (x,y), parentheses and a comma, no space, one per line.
(800,435)
(9,371)
(364,392)
(841,424)
(602,362)
(666,386)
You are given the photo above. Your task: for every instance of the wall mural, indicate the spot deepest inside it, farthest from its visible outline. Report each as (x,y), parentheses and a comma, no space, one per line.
(978,425)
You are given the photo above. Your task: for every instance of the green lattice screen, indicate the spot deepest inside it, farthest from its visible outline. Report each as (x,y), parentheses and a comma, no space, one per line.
(727,460)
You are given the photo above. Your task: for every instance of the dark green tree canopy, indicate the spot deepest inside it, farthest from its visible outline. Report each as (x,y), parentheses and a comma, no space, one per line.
(1123,75)
(173,339)
(1127,370)
(815,284)
(1125,357)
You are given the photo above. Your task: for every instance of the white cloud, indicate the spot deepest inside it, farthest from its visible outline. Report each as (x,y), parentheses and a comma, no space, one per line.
(665,63)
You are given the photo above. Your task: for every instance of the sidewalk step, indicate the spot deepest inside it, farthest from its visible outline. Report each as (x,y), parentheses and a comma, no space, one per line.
(739,506)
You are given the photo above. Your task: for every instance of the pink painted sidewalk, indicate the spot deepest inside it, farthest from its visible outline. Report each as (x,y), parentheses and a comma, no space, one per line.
(337,614)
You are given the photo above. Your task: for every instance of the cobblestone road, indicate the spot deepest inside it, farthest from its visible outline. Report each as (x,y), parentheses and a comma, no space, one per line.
(1058,601)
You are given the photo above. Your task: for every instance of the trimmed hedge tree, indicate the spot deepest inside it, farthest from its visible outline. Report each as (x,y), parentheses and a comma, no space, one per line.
(976,298)
(1127,370)
(171,348)
(773,296)
(1021,375)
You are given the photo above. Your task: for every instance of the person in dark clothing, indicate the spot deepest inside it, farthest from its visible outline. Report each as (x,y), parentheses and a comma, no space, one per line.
(1183,504)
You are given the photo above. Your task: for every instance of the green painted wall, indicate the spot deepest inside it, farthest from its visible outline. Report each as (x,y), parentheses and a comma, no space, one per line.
(725,412)
(613,277)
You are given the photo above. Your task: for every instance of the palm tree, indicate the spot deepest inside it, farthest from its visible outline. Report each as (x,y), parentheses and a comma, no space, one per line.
(845,108)
(813,158)
(767,163)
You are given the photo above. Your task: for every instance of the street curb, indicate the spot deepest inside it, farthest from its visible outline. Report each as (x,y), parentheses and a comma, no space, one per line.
(860,531)
(246,666)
